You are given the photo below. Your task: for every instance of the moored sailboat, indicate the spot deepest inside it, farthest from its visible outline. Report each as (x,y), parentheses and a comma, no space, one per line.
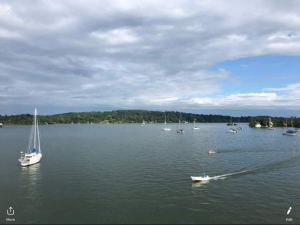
(288,132)
(271,125)
(195,128)
(166,128)
(34,154)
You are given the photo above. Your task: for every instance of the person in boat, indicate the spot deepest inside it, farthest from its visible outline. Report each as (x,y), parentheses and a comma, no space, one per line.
(204,175)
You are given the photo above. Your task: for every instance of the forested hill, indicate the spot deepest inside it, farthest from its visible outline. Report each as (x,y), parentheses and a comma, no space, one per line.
(120,116)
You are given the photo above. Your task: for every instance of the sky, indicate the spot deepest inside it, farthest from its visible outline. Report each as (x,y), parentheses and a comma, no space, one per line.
(231,57)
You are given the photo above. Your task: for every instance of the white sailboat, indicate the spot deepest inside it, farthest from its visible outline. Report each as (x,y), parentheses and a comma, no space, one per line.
(270,125)
(1,125)
(34,154)
(143,124)
(231,130)
(195,128)
(166,128)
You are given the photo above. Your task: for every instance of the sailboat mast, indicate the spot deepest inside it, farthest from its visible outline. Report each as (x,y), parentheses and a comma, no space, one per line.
(34,142)
(38,136)
(165,122)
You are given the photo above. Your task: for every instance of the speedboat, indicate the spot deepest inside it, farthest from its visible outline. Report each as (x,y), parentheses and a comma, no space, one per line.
(258,125)
(1,125)
(211,152)
(203,178)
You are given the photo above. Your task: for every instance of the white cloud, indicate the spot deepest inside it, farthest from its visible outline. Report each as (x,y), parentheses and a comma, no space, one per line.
(116,36)
(140,53)
(292,87)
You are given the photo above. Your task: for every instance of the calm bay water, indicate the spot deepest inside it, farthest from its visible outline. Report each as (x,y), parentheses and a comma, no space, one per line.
(125,173)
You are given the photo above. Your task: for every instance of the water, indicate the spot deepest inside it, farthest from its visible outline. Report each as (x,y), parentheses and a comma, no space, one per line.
(125,173)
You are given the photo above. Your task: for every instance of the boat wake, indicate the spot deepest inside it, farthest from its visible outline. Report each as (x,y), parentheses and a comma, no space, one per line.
(284,164)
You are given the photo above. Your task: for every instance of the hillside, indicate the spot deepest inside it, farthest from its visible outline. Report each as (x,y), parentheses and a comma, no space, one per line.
(119,116)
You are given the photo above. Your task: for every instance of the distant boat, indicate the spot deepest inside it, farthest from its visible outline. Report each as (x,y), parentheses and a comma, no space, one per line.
(230,123)
(1,125)
(195,128)
(203,178)
(34,154)
(211,152)
(143,123)
(234,131)
(231,130)
(179,130)
(270,125)
(258,125)
(166,128)
(240,128)
(72,122)
(288,132)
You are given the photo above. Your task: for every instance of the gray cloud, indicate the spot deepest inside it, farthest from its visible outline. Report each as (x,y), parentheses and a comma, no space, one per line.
(134,54)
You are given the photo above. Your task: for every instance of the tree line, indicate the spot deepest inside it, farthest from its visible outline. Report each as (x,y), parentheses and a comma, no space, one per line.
(121,116)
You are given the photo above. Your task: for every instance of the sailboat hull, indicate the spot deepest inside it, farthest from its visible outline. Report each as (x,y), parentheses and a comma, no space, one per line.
(26,161)
(289,134)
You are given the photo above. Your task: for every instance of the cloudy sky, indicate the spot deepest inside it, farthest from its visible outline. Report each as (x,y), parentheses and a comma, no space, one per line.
(222,57)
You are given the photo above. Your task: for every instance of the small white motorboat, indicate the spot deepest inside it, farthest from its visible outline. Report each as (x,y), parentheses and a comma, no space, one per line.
(1,125)
(203,178)
(211,152)
(233,131)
